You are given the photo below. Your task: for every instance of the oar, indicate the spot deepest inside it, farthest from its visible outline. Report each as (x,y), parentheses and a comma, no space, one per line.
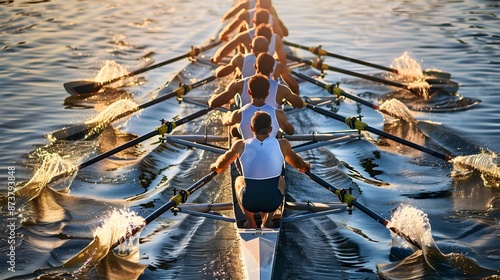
(354,123)
(88,253)
(165,128)
(450,86)
(351,200)
(319,51)
(333,89)
(89,87)
(80,131)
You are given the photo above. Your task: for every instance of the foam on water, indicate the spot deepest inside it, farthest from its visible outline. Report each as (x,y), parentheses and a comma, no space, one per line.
(397,109)
(413,223)
(114,111)
(484,163)
(53,165)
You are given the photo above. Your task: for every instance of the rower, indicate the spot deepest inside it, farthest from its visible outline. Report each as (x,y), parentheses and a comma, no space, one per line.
(277,92)
(244,62)
(244,38)
(261,187)
(242,5)
(258,89)
(245,17)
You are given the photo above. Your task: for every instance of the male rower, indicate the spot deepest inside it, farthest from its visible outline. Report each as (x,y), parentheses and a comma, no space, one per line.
(277,93)
(245,38)
(258,89)
(261,187)
(246,16)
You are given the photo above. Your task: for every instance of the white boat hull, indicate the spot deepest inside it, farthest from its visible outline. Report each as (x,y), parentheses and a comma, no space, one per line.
(258,248)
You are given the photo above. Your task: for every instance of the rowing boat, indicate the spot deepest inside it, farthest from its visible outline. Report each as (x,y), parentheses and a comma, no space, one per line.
(259,246)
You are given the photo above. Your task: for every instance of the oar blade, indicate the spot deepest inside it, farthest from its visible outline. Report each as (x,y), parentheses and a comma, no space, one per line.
(71,133)
(82,87)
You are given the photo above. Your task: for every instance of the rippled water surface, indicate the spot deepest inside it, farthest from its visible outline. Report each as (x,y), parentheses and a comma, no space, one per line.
(449,207)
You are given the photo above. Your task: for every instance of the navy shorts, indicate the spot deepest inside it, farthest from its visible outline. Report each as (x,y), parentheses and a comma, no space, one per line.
(261,195)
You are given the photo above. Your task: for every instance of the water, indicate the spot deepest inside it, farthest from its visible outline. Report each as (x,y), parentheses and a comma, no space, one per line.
(47,43)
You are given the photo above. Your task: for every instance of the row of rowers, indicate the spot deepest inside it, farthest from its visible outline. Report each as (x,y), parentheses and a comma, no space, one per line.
(261,186)
(261,43)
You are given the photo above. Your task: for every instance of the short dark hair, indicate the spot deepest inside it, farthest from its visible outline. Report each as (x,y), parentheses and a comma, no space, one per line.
(259,86)
(261,122)
(265,30)
(265,64)
(261,16)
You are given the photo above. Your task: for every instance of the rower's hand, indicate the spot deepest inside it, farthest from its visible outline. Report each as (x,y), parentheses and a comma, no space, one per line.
(213,167)
(214,59)
(305,168)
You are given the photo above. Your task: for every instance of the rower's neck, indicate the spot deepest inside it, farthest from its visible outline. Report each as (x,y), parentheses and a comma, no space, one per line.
(258,102)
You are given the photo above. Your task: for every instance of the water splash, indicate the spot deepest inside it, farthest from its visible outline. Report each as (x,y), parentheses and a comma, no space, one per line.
(484,163)
(110,70)
(429,262)
(117,225)
(53,167)
(113,112)
(397,109)
(408,68)
(413,223)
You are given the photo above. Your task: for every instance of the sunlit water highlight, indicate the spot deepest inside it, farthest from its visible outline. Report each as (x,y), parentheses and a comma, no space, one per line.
(484,163)
(397,109)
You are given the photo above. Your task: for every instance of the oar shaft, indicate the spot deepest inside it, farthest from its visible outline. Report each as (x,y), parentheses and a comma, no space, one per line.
(347,72)
(326,86)
(354,202)
(382,133)
(142,138)
(196,186)
(176,92)
(324,52)
(154,66)
(174,201)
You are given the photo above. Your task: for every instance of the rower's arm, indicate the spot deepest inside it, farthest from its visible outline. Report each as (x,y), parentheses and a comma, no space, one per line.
(235,10)
(233,25)
(227,48)
(282,71)
(226,70)
(228,157)
(282,26)
(231,118)
(292,157)
(280,50)
(283,122)
(218,100)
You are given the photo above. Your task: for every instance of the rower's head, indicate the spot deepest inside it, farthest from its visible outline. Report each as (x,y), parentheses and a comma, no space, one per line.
(260,16)
(261,123)
(265,30)
(264,4)
(258,87)
(259,45)
(264,64)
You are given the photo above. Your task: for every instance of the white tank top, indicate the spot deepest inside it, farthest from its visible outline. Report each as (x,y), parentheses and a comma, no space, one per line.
(247,113)
(271,98)
(247,69)
(272,45)
(262,160)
